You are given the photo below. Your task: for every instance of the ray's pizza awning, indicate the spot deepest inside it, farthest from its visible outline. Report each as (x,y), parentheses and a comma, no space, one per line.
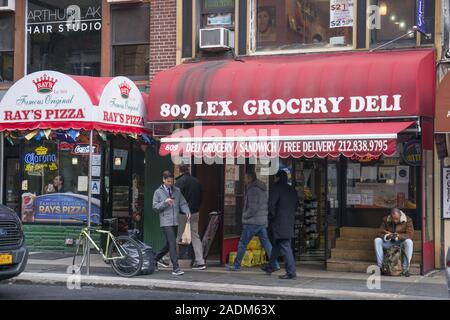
(53,100)
(296,140)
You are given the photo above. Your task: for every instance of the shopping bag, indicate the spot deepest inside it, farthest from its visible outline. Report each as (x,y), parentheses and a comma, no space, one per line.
(186,237)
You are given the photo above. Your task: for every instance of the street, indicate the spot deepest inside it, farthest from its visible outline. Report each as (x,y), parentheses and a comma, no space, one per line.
(9,291)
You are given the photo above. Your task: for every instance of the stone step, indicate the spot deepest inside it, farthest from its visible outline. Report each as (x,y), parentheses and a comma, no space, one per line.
(358,244)
(367,233)
(360,266)
(363,255)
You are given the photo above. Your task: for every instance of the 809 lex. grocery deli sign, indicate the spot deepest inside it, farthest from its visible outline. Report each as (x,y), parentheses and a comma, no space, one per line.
(311,107)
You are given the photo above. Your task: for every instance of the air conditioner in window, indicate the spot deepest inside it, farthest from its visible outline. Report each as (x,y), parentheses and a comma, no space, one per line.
(7,5)
(216,39)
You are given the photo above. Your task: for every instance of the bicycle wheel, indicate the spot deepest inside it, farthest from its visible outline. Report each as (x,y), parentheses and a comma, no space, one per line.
(80,255)
(132,262)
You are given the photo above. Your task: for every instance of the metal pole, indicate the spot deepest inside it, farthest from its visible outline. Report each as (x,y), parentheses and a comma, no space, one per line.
(2,167)
(88,260)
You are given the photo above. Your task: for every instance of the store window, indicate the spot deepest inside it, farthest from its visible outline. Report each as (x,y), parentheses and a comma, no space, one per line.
(218,13)
(6,47)
(376,185)
(302,24)
(130,40)
(55,179)
(64,37)
(396,18)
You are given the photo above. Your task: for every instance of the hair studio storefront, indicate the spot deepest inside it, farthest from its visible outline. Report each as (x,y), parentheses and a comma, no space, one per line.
(46,119)
(352,130)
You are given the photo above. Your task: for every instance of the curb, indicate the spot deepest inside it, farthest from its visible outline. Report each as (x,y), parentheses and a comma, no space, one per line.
(206,287)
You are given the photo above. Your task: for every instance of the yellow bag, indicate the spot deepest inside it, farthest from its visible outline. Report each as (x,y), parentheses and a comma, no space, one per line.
(257,257)
(263,256)
(247,261)
(254,244)
(231,257)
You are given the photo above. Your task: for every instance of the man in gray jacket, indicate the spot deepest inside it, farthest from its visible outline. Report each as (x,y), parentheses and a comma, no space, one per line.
(168,202)
(254,218)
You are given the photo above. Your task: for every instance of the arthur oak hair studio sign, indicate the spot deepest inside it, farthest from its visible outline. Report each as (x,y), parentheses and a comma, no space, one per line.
(355,106)
(51,17)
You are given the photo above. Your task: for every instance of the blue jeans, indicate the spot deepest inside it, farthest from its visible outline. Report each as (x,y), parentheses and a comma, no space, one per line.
(248,232)
(283,246)
(407,246)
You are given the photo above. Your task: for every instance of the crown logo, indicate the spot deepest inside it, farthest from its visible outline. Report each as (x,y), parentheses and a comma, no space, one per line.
(44,84)
(124,90)
(41,151)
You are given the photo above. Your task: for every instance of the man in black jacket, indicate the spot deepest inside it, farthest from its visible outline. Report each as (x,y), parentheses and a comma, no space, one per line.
(283,201)
(192,191)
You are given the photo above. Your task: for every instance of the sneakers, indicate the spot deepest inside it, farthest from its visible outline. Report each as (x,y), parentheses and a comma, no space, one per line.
(163,264)
(232,267)
(268,270)
(406,273)
(196,266)
(287,277)
(177,272)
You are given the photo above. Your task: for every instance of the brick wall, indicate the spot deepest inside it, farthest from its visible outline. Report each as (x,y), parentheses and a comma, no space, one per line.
(163,35)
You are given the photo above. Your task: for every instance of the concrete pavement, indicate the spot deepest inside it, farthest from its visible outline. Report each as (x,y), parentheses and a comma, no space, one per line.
(312,282)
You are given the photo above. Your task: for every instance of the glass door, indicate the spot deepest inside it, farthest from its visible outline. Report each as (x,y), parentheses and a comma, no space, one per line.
(309,179)
(12,175)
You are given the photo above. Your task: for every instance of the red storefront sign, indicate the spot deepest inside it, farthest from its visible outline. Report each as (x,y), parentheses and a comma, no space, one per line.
(305,140)
(330,86)
(50,99)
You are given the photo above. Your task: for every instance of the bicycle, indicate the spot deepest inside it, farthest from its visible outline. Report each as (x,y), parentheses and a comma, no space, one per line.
(122,252)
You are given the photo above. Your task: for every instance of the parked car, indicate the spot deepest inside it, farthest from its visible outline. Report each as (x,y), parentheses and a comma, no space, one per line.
(447,270)
(13,252)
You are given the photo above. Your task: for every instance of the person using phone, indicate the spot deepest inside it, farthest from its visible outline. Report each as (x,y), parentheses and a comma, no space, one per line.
(396,229)
(168,202)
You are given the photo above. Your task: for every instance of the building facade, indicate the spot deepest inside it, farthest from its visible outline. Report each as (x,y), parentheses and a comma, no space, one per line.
(311,66)
(89,38)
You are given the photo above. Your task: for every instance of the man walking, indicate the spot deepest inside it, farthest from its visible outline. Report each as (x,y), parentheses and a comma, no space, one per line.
(283,201)
(169,201)
(254,218)
(192,191)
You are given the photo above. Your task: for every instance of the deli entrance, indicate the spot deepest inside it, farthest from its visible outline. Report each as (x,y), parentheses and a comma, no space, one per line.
(308,177)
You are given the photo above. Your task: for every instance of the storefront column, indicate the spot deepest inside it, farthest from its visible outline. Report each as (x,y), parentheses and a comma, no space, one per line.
(2,167)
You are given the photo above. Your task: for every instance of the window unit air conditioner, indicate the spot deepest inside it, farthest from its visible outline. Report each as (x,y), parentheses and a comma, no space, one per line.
(7,5)
(216,39)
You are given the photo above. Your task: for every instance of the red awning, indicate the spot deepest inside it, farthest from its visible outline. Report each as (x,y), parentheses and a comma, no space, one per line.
(53,100)
(297,140)
(347,85)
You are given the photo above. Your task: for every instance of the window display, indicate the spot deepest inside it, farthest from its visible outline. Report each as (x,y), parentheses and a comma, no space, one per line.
(55,180)
(303,24)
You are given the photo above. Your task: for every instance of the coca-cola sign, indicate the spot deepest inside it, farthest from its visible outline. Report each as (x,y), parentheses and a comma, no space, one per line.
(83,149)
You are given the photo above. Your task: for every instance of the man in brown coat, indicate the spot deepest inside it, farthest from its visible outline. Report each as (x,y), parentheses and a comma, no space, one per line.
(396,229)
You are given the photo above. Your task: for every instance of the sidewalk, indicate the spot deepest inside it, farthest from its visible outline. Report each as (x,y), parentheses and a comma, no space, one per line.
(311,282)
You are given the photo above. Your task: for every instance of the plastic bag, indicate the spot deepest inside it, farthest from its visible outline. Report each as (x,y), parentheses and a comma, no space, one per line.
(186,237)
(149,263)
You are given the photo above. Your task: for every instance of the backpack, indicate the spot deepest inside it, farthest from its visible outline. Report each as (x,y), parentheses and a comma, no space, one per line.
(392,263)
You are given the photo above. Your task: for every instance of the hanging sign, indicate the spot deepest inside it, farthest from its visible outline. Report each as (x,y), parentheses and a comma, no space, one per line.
(420,17)
(412,153)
